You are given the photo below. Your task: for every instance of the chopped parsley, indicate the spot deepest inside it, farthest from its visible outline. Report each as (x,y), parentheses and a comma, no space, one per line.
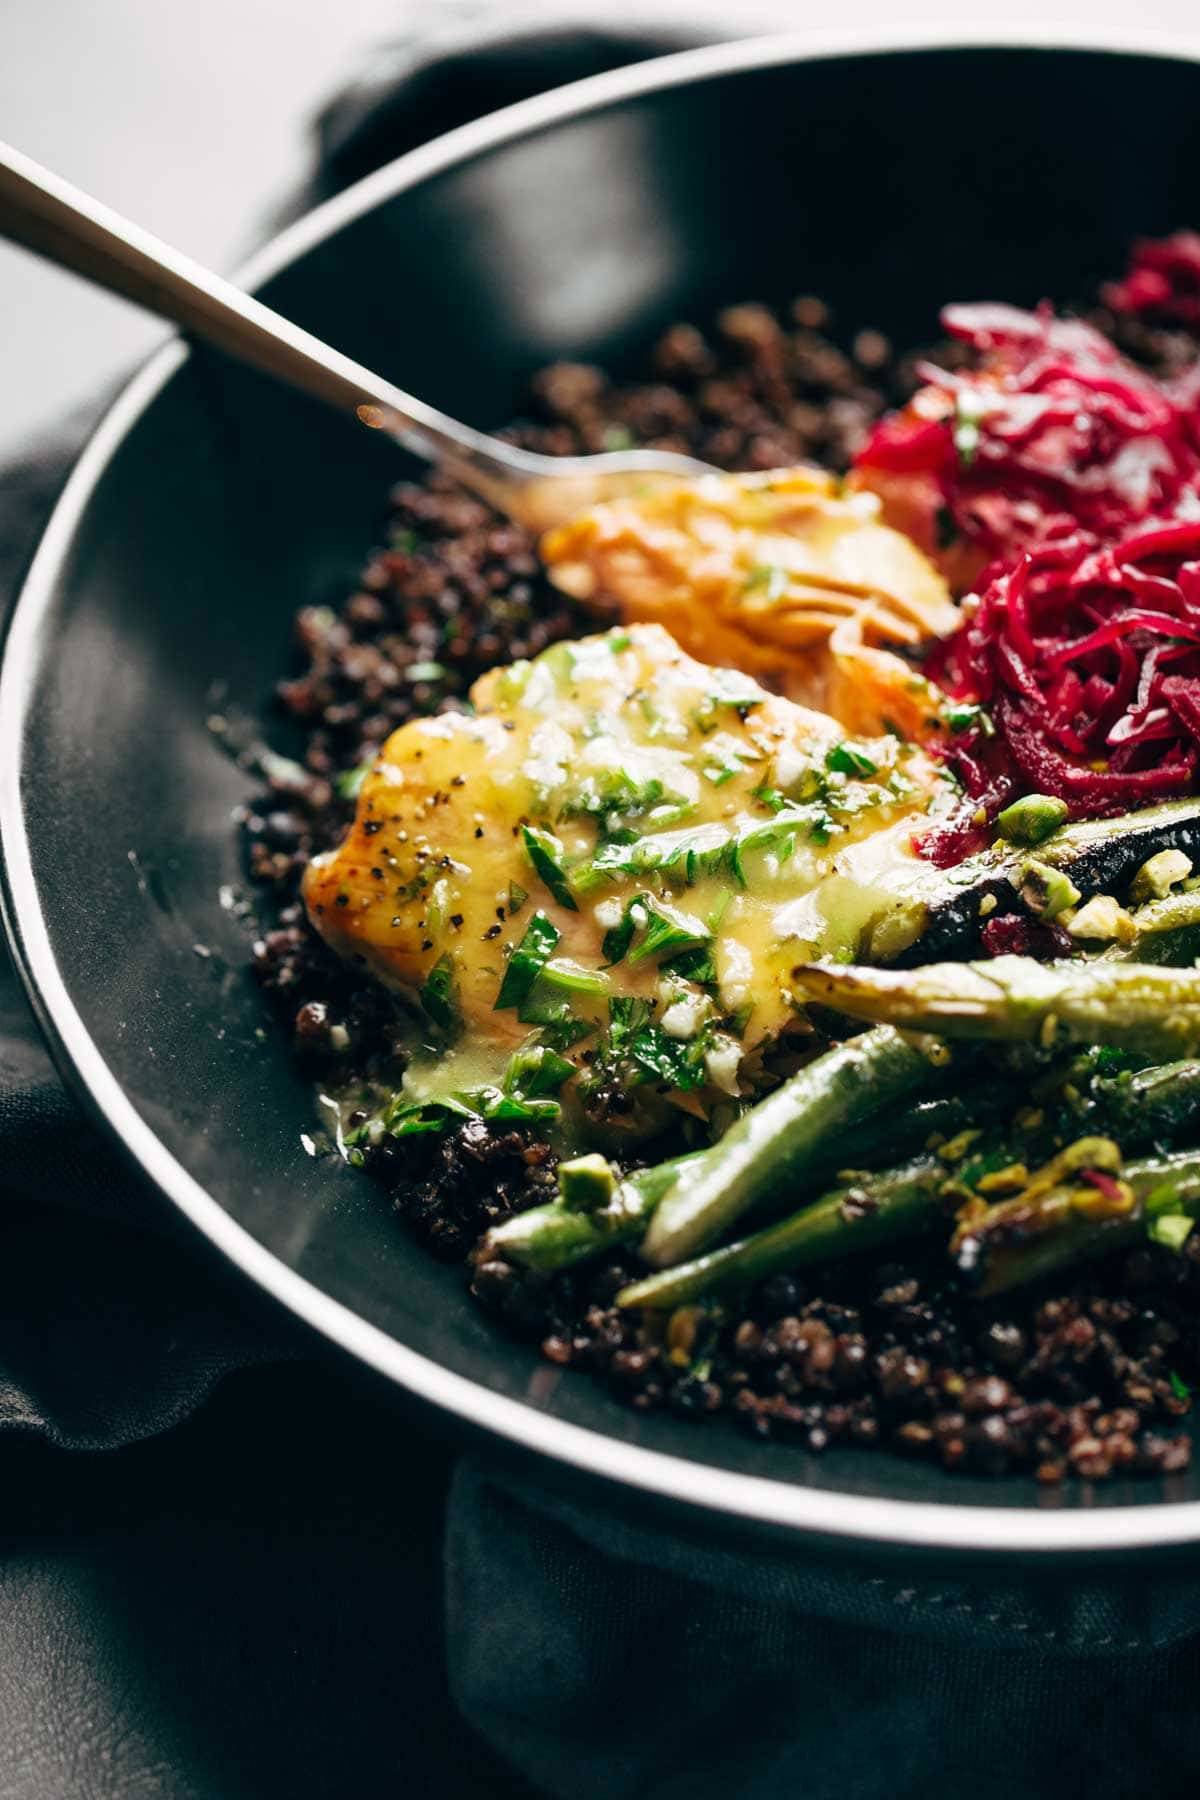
(524,1097)
(558,1025)
(613,796)
(662,931)
(727,688)
(847,758)
(963,715)
(688,856)
(634,1050)
(349,782)
(438,996)
(572,977)
(527,961)
(536,1071)
(667,932)
(545,852)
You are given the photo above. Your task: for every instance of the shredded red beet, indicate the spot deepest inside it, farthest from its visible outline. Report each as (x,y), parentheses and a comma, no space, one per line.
(1053,431)
(1087,657)
(1162,282)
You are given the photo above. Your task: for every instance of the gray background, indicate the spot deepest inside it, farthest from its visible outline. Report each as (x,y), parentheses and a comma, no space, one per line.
(191,116)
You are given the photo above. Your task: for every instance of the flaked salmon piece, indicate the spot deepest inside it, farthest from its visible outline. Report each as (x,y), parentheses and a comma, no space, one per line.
(783,574)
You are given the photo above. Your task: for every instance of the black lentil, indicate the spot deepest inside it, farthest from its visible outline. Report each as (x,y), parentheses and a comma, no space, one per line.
(1089,1381)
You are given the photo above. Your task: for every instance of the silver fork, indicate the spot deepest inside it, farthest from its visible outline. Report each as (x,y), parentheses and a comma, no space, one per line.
(46,214)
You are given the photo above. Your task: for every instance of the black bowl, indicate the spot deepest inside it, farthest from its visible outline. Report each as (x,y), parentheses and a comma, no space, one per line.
(210,504)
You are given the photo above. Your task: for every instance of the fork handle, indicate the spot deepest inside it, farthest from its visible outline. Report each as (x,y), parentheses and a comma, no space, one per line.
(50,217)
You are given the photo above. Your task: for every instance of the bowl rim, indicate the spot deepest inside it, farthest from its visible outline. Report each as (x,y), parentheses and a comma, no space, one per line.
(765,1500)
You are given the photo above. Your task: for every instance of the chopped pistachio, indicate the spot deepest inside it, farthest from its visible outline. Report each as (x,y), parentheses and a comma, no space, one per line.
(1008,1180)
(1046,891)
(1172,1230)
(1156,877)
(1103,918)
(953,1149)
(586,1183)
(896,930)
(1032,819)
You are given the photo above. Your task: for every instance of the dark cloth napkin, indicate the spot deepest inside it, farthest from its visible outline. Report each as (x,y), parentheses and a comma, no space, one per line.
(601,1657)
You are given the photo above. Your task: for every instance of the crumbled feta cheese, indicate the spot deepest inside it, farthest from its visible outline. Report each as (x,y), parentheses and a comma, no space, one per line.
(791,766)
(722,1062)
(607,913)
(685,1015)
(737,972)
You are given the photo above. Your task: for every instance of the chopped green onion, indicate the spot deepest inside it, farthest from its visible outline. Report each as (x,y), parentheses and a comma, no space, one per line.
(517,896)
